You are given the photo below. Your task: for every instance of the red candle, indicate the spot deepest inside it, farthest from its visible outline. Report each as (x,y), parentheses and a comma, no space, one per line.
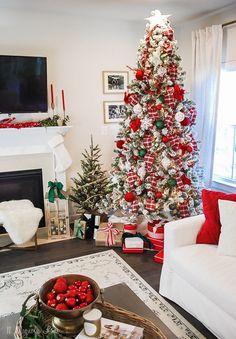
(52,97)
(63,100)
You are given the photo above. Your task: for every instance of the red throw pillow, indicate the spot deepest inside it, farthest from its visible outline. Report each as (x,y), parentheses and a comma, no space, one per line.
(210,230)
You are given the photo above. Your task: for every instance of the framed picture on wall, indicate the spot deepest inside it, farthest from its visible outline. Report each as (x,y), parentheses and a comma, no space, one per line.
(114,111)
(115,82)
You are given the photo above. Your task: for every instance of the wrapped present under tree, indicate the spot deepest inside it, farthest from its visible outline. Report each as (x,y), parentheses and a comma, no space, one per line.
(109,234)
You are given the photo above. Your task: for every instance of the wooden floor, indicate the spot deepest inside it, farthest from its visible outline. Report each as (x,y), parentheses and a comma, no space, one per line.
(141,263)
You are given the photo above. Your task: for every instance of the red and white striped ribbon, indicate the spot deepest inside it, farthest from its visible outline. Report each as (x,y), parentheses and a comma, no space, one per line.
(111,233)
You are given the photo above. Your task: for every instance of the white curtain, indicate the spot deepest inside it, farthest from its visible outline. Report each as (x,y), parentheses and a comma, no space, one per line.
(207,55)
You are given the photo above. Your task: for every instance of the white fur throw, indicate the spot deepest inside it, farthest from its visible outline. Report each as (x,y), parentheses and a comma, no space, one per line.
(20,219)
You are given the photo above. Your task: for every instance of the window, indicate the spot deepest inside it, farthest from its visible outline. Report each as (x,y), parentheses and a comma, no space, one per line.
(224,168)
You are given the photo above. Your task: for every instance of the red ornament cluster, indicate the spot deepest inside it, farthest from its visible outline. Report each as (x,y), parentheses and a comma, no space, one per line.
(70,297)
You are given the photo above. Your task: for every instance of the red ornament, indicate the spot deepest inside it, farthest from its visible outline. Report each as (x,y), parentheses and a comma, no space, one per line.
(62,279)
(189,149)
(62,307)
(89,298)
(71,302)
(60,297)
(120,143)
(72,293)
(50,296)
(178,93)
(158,195)
(183,148)
(165,139)
(185,122)
(135,157)
(82,297)
(52,303)
(60,287)
(185,180)
(135,124)
(131,99)
(129,197)
(159,107)
(139,74)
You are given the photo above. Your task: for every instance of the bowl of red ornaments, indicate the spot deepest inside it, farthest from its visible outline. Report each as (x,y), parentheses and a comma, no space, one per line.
(66,298)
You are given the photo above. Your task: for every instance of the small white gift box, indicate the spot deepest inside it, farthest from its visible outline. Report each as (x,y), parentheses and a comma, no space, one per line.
(134,242)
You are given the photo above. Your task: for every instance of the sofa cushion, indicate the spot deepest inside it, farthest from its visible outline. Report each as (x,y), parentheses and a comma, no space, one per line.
(211,274)
(227,241)
(210,230)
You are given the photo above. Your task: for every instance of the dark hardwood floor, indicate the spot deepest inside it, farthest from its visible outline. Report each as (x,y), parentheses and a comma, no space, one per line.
(143,264)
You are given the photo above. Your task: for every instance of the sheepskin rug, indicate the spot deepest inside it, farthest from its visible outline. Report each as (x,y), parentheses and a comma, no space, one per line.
(20,219)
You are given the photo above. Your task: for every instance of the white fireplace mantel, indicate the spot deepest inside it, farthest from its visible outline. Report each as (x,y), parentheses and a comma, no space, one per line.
(28,140)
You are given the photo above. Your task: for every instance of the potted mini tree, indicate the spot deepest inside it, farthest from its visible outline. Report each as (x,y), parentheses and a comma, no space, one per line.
(90,188)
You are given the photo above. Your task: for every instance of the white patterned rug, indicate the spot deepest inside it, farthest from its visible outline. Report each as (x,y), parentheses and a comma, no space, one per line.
(107,268)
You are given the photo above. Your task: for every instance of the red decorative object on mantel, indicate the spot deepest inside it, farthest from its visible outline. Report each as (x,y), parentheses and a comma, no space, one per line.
(8,123)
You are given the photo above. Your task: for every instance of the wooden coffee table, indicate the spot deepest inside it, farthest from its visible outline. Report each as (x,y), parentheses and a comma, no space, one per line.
(120,295)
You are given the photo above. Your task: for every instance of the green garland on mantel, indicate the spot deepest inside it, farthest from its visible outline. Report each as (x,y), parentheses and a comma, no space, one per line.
(54,121)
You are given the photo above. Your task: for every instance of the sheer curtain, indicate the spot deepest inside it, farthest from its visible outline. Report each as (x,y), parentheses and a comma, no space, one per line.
(207,54)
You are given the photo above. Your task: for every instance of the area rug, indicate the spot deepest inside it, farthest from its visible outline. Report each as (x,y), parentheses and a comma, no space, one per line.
(108,269)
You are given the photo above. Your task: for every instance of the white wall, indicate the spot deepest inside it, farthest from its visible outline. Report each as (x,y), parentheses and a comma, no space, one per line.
(78,49)
(183,35)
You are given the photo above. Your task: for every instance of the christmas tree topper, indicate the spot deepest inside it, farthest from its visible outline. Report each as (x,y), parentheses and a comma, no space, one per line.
(157,19)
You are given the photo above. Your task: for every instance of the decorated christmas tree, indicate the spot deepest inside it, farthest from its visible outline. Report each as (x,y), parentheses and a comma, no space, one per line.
(153,173)
(92,185)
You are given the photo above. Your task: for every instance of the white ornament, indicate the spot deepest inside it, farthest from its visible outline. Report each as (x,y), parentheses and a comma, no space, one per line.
(137,109)
(146,123)
(157,19)
(155,57)
(127,166)
(115,180)
(138,190)
(161,71)
(172,171)
(164,131)
(179,116)
(165,162)
(142,171)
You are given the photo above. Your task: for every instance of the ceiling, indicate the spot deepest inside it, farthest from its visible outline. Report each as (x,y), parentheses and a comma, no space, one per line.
(181,10)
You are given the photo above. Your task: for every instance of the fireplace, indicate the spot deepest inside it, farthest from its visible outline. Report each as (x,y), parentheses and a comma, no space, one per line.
(27,184)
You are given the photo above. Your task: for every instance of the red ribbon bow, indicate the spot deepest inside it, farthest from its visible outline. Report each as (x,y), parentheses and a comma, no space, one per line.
(111,233)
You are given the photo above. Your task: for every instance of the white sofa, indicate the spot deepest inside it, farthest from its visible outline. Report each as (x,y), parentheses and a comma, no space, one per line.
(198,279)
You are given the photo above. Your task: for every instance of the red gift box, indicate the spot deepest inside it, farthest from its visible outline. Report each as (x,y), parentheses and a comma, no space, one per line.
(156,233)
(158,245)
(132,250)
(159,257)
(130,228)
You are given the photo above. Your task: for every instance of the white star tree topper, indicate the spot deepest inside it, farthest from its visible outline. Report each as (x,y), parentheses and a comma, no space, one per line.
(157,19)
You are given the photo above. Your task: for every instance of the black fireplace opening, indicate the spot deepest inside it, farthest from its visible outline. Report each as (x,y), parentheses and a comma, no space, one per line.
(27,184)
